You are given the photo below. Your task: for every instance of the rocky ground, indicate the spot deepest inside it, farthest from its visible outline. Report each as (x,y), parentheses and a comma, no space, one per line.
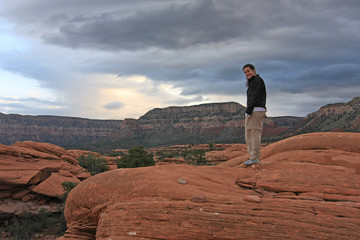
(307,187)
(31,177)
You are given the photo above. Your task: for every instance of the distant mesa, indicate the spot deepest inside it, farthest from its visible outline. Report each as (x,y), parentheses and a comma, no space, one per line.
(205,123)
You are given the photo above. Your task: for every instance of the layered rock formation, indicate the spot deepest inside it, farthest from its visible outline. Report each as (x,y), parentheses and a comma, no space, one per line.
(216,122)
(205,123)
(230,152)
(61,131)
(31,175)
(343,117)
(308,187)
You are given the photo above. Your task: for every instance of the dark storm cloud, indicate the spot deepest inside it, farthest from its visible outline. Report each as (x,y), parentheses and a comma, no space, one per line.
(301,26)
(298,47)
(301,77)
(229,73)
(113,105)
(172,27)
(32,67)
(219,87)
(334,75)
(127,25)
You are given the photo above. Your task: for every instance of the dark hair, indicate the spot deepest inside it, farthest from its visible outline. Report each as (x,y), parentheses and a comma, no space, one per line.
(252,67)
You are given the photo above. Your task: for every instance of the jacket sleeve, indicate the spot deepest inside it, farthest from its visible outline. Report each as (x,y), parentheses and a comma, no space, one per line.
(254,94)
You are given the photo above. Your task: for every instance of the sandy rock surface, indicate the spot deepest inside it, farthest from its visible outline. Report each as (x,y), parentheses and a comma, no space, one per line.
(231,152)
(307,187)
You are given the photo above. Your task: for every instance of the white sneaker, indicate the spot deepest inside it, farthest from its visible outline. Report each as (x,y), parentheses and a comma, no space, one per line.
(251,162)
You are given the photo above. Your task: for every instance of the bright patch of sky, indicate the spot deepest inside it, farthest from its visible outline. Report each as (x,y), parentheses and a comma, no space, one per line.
(9,41)
(17,86)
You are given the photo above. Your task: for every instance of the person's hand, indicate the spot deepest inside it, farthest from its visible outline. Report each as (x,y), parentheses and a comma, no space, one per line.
(247,115)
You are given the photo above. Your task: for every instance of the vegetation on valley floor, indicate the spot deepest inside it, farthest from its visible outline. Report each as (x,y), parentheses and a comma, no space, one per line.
(28,225)
(93,164)
(137,157)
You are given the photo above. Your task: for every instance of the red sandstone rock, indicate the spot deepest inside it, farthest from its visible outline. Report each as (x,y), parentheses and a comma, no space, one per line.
(20,194)
(198,198)
(69,159)
(345,141)
(252,198)
(52,186)
(77,153)
(41,147)
(33,172)
(28,197)
(308,187)
(83,175)
(227,154)
(167,161)
(111,162)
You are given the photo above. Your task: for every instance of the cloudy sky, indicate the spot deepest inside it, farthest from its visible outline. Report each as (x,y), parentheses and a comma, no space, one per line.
(116,59)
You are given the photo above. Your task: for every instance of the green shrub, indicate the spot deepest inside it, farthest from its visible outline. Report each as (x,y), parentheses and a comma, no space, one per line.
(114,154)
(167,154)
(137,157)
(67,186)
(184,153)
(93,163)
(212,147)
(198,157)
(161,155)
(27,224)
(188,156)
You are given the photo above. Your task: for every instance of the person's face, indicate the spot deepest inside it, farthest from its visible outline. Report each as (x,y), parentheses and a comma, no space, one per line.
(249,73)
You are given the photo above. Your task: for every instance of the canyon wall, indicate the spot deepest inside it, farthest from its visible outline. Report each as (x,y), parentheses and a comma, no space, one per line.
(205,123)
(339,117)
(215,122)
(62,131)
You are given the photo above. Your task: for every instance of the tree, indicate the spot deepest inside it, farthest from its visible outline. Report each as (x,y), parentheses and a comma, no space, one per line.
(93,163)
(212,147)
(67,186)
(137,157)
(199,156)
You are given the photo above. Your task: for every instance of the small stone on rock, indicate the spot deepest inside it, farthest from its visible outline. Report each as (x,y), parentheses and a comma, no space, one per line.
(252,198)
(198,198)
(181,181)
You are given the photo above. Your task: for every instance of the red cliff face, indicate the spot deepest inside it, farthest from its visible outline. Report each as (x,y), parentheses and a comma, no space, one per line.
(214,122)
(62,131)
(205,123)
(307,187)
(332,117)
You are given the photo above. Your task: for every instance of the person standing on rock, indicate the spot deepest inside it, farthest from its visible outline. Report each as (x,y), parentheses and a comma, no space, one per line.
(255,113)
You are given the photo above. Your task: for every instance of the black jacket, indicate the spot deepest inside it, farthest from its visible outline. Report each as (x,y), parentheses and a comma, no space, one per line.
(256,94)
